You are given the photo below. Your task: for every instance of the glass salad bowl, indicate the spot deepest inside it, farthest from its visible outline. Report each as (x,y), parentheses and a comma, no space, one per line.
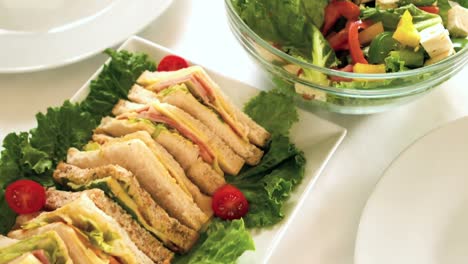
(348,92)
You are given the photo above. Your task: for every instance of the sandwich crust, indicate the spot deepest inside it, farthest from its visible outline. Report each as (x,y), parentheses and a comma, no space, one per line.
(136,157)
(171,232)
(203,201)
(181,97)
(184,152)
(142,239)
(202,84)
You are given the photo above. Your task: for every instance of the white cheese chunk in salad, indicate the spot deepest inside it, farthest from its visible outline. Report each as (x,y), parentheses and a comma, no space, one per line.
(436,40)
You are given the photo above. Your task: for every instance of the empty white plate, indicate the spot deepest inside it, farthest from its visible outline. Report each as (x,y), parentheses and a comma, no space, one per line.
(36,35)
(418,213)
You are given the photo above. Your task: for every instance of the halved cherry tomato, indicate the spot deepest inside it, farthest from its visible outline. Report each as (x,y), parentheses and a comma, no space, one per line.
(430,9)
(25,196)
(229,203)
(353,41)
(172,63)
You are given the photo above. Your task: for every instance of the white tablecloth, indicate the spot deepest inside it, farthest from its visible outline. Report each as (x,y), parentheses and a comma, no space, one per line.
(325,230)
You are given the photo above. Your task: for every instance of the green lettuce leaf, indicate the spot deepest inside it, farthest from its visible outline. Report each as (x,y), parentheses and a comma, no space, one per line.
(322,53)
(268,192)
(54,248)
(315,10)
(115,81)
(269,107)
(11,162)
(280,149)
(255,14)
(391,17)
(61,128)
(222,242)
(416,2)
(268,185)
(20,160)
(394,64)
(288,23)
(444,7)
(6,214)
(279,21)
(459,43)
(34,154)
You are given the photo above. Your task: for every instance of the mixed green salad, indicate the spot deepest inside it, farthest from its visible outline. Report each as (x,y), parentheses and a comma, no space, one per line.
(360,36)
(34,155)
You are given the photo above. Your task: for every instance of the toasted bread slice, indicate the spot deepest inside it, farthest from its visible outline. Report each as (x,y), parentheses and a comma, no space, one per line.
(203,201)
(184,152)
(180,96)
(116,234)
(136,157)
(209,93)
(125,189)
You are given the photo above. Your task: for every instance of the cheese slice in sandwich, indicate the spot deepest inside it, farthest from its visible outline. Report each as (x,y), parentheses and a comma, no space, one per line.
(179,96)
(203,201)
(101,229)
(122,187)
(80,249)
(209,93)
(212,148)
(136,157)
(45,248)
(184,151)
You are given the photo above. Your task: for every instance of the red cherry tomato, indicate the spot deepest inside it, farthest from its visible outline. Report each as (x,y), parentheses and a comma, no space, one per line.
(172,63)
(229,203)
(25,196)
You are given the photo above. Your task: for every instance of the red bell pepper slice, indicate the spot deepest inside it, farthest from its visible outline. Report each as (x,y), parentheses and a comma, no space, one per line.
(337,40)
(347,68)
(430,9)
(348,9)
(331,16)
(343,46)
(336,9)
(353,41)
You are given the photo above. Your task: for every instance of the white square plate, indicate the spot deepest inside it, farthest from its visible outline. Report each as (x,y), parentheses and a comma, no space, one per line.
(316,137)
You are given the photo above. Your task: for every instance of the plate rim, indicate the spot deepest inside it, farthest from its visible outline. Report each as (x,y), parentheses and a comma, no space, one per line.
(165,4)
(340,134)
(384,172)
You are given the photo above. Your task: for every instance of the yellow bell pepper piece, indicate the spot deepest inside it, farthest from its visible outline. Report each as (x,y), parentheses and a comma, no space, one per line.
(369,68)
(406,33)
